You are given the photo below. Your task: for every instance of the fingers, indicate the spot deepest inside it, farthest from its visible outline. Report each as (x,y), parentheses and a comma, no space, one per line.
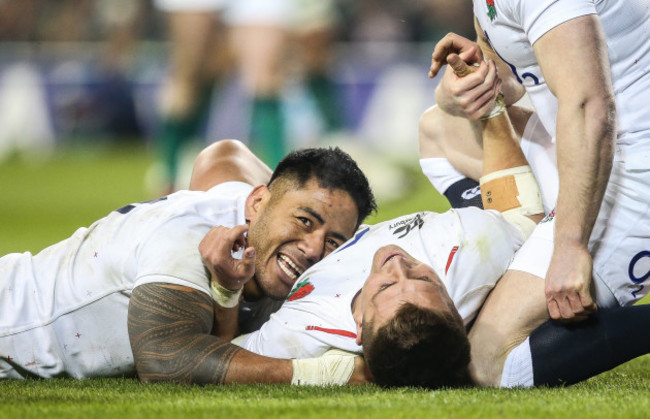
(246,266)
(476,87)
(571,306)
(458,65)
(453,43)
(237,236)
(216,251)
(222,240)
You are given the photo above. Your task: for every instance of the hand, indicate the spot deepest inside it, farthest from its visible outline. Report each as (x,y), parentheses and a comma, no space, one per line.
(567,283)
(469,52)
(468,91)
(216,252)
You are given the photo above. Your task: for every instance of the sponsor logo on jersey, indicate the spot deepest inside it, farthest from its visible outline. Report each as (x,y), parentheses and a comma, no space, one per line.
(492,11)
(404,227)
(471,193)
(639,270)
(303,289)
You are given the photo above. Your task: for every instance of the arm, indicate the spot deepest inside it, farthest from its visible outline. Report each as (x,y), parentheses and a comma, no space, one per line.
(472,96)
(228,275)
(169,329)
(507,183)
(585,138)
(225,161)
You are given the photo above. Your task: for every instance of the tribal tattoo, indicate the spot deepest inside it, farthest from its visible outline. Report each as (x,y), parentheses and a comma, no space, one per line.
(169,329)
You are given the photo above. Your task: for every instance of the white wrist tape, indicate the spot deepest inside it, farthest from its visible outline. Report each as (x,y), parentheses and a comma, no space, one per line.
(224,297)
(334,367)
(498,108)
(515,193)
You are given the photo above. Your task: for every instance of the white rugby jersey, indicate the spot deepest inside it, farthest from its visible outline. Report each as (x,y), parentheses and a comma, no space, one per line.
(468,248)
(63,311)
(513,26)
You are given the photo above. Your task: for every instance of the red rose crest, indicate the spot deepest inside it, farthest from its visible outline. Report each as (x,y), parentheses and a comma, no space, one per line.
(492,11)
(303,289)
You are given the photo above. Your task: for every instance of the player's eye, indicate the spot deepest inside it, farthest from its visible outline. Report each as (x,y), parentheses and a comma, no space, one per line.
(386,285)
(332,244)
(305,221)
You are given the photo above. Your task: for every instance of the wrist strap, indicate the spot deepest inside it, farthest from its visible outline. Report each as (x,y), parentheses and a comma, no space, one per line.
(498,108)
(224,297)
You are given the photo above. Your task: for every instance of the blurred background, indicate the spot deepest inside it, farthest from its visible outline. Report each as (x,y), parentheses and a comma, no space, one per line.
(104,102)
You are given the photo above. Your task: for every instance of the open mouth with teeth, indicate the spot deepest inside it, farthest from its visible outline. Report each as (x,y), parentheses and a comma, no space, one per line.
(287,266)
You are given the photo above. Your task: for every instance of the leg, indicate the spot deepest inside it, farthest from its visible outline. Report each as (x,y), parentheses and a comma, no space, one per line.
(187,91)
(259,52)
(515,308)
(569,353)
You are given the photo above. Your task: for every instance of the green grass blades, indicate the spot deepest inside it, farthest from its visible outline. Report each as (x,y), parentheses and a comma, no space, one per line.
(618,393)
(45,201)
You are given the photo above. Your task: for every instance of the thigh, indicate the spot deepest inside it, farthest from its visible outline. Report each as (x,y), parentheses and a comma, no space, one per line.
(620,242)
(511,312)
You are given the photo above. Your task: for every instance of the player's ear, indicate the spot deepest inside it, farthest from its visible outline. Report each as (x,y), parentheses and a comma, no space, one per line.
(359,327)
(256,201)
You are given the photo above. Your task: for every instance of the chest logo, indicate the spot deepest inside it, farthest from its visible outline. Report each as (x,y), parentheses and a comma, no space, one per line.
(303,289)
(492,11)
(404,227)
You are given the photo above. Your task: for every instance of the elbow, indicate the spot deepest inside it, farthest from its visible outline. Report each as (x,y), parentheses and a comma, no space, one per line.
(155,371)
(430,133)
(600,113)
(601,109)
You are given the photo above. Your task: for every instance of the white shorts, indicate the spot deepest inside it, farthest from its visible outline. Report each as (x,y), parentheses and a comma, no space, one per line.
(290,14)
(539,148)
(620,241)
(190,5)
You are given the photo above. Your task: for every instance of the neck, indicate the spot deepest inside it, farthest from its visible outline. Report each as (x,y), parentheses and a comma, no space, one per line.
(252,291)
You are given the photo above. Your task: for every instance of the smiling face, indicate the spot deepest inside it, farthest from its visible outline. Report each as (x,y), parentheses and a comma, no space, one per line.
(292,228)
(397,278)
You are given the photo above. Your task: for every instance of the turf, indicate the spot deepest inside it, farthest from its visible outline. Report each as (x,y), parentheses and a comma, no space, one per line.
(620,393)
(44,201)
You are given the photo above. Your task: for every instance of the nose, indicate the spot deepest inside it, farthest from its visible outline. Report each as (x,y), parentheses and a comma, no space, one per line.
(313,246)
(399,266)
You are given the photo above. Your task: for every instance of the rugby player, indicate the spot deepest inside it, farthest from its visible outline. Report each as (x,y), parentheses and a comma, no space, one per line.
(130,293)
(587,79)
(406,307)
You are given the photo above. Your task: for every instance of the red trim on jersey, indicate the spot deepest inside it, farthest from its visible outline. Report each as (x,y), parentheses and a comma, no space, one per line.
(451,257)
(339,332)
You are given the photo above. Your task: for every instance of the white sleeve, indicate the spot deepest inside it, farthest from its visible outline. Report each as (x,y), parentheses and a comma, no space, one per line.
(171,255)
(538,17)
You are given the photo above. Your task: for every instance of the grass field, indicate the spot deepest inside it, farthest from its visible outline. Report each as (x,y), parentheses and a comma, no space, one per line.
(45,201)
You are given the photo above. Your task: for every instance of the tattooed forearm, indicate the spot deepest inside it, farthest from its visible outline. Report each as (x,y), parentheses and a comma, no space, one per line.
(169,328)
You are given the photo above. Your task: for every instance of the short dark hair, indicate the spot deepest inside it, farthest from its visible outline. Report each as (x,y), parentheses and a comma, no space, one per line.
(332,168)
(418,347)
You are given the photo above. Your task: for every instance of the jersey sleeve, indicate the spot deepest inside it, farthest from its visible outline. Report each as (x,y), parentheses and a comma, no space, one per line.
(538,17)
(171,255)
